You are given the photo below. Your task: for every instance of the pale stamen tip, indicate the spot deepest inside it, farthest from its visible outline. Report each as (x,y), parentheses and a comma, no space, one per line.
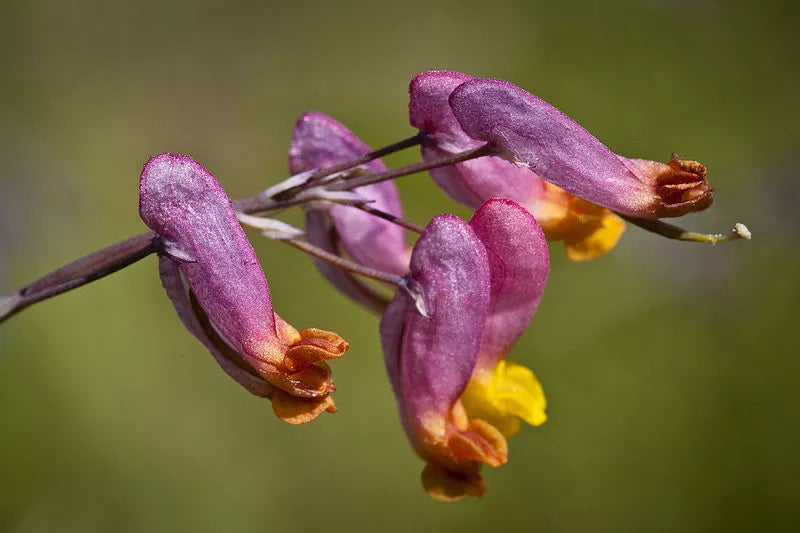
(742,231)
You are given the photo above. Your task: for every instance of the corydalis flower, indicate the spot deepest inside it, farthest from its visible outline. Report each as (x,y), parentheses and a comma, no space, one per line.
(481,283)
(217,286)
(586,229)
(501,392)
(318,141)
(528,131)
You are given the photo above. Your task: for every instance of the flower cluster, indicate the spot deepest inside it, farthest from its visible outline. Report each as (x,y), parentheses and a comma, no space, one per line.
(464,292)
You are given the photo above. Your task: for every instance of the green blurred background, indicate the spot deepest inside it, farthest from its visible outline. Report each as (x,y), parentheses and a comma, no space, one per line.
(671,369)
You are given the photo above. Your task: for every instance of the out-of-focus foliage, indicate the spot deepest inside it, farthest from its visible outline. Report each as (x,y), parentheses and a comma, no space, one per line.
(670,369)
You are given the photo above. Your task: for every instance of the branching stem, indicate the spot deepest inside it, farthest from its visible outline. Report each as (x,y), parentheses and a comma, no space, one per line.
(366,158)
(265,204)
(391,218)
(115,257)
(345,264)
(376,177)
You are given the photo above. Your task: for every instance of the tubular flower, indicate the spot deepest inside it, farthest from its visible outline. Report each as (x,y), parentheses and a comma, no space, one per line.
(530,132)
(318,141)
(501,392)
(477,307)
(217,286)
(587,230)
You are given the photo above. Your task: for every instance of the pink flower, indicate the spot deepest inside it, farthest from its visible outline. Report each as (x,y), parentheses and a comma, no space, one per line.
(587,229)
(481,283)
(217,286)
(530,132)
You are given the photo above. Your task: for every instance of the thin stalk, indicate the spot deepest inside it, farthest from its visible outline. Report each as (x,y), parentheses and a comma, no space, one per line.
(366,158)
(80,272)
(391,218)
(349,284)
(406,284)
(376,177)
(263,205)
(350,266)
(669,231)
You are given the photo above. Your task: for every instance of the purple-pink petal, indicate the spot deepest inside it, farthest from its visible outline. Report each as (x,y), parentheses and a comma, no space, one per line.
(392,329)
(429,111)
(471,182)
(318,141)
(519,263)
(553,145)
(185,205)
(430,360)
(195,320)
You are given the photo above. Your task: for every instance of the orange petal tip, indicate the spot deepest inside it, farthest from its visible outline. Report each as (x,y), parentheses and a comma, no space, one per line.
(296,411)
(448,486)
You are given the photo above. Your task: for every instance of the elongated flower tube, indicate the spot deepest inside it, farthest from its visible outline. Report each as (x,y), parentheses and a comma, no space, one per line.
(528,131)
(586,229)
(458,397)
(217,286)
(318,141)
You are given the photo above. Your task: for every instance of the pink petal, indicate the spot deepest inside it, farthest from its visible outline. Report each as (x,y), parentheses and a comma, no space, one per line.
(183,203)
(318,141)
(430,360)
(519,263)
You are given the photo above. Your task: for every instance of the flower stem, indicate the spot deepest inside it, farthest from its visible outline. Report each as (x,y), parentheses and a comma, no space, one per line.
(260,203)
(391,218)
(80,272)
(376,177)
(345,264)
(669,231)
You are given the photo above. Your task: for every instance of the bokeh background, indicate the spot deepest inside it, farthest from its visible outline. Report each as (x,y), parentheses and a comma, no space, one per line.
(671,369)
